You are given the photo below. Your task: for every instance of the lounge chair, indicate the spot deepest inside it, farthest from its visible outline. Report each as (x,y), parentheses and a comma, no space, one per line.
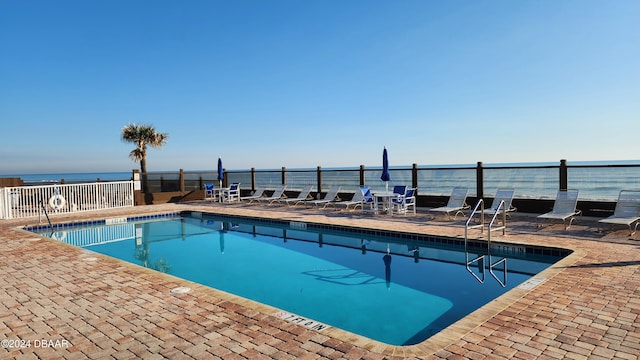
(402,203)
(209,192)
(305,194)
(564,208)
(505,195)
(277,194)
(627,211)
(457,203)
(256,194)
(232,193)
(356,201)
(331,196)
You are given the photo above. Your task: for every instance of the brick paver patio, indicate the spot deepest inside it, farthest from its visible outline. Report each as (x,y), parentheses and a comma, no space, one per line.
(66,303)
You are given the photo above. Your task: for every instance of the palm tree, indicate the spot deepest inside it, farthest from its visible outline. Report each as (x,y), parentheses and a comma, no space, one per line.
(142,135)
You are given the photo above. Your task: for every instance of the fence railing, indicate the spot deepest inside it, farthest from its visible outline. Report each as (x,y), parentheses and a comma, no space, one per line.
(27,201)
(595,182)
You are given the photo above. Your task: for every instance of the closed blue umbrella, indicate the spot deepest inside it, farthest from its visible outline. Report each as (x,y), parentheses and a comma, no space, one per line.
(220,172)
(385,169)
(387,269)
(223,229)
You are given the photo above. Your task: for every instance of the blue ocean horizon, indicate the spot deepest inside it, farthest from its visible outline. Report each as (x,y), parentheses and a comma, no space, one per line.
(72,177)
(126,175)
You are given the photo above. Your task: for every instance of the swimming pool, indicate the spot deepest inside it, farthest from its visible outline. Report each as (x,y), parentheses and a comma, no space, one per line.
(396,288)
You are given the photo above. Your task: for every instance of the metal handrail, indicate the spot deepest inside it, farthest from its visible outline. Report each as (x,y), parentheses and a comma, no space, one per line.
(502,282)
(502,205)
(480,204)
(45,213)
(480,259)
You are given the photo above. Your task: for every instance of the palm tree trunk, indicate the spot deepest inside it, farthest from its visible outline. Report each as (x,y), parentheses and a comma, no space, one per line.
(143,173)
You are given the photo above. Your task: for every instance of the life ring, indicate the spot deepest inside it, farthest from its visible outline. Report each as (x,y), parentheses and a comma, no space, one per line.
(59,235)
(57,202)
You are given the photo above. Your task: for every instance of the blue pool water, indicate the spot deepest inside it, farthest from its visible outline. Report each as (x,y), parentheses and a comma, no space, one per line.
(396,289)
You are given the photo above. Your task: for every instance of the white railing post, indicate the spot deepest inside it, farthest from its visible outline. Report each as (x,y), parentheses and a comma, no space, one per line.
(3,204)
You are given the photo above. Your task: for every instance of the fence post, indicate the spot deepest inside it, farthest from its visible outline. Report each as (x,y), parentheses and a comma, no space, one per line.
(225,178)
(284,175)
(319,178)
(3,204)
(362,175)
(414,178)
(200,183)
(253,179)
(479,181)
(564,175)
(181,180)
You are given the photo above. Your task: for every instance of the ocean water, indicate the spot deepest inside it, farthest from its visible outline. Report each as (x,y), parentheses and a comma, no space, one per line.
(72,177)
(594,180)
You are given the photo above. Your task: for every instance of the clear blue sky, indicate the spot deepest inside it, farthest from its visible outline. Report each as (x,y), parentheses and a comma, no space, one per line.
(276,83)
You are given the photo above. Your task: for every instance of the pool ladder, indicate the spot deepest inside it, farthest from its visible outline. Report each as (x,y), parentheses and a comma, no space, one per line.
(480,260)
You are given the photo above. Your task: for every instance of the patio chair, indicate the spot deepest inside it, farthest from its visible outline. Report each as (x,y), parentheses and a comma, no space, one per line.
(400,189)
(457,203)
(330,196)
(232,193)
(627,211)
(387,203)
(505,195)
(278,193)
(305,194)
(564,208)
(368,203)
(402,203)
(256,194)
(209,192)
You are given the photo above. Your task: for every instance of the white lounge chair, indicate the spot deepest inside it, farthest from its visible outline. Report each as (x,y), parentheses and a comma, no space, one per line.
(627,211)
(256,194)
(402,203)
(356,200)
(331,196)
(305,194)
(277,194)
(564,208)
(457,203)
(505,195)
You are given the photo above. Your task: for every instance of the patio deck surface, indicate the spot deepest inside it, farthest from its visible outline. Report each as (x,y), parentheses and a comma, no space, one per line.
(63,304)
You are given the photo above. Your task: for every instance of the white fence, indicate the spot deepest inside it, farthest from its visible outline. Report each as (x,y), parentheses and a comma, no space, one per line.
(30,201)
